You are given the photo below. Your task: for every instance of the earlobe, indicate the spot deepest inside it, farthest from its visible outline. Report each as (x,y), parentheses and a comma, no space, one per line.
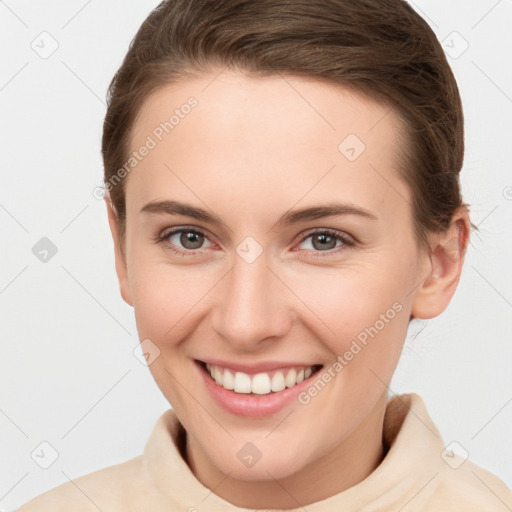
(120,259)
(443,268)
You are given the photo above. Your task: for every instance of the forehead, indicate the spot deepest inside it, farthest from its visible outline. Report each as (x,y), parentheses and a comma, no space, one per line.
(226,135)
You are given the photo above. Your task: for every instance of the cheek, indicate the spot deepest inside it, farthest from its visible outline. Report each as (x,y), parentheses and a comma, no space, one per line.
(168,299)
(349,304)
(364,318)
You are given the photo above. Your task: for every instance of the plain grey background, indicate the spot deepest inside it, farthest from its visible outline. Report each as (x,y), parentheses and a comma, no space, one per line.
(69,376)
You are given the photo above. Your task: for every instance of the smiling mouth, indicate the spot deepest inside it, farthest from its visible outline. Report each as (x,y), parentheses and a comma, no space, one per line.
(263,383)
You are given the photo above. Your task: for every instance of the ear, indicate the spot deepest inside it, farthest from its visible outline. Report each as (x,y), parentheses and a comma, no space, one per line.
(121,265)
(443,267)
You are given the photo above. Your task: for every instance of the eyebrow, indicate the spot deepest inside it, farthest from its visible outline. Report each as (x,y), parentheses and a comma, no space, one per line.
(290,217)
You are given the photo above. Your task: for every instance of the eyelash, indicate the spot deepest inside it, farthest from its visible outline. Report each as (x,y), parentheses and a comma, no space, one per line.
(348,242)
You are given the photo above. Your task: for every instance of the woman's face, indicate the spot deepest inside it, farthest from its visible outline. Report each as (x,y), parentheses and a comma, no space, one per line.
(252,288)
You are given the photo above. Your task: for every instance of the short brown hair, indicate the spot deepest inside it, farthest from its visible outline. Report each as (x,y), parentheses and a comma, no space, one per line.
(380,48)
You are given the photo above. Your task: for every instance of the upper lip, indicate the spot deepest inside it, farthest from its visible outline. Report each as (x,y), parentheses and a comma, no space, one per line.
(260,367)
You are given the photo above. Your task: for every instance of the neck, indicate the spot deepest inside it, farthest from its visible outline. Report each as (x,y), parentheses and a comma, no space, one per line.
(349,463)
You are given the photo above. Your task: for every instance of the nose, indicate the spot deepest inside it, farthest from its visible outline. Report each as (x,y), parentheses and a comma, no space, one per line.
(253,307)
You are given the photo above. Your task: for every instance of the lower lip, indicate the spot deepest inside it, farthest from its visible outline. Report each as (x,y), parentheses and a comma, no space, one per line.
(253,406)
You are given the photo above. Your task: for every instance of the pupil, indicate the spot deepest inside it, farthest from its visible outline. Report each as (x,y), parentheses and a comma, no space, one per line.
(188,238)
(323,238)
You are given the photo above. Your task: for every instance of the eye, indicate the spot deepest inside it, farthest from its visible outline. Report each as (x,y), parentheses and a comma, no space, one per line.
(326,240)
(189,241)
(188,238)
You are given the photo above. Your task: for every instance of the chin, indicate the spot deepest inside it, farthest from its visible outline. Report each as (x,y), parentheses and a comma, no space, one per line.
(275,468)
(271,460)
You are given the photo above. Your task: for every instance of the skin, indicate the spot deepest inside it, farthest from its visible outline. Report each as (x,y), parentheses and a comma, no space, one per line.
(252,149)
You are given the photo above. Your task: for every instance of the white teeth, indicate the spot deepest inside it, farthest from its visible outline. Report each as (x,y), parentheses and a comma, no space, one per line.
(242,383)
(278,382)
(291,378)
(260,383)
(228,381)
(217,375)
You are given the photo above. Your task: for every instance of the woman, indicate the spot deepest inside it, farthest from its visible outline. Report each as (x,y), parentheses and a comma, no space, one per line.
(282,186)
